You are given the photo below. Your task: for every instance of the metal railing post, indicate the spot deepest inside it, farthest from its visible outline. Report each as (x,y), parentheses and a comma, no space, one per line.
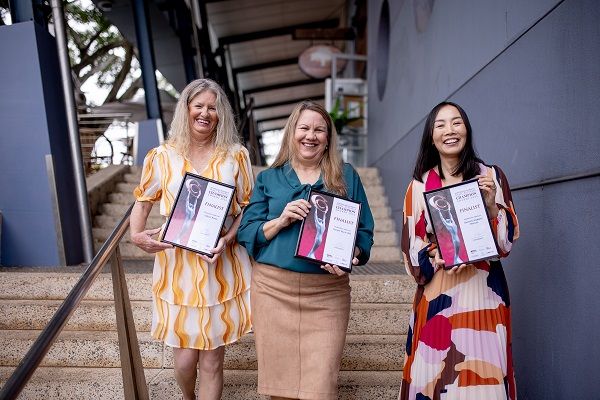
(134,380)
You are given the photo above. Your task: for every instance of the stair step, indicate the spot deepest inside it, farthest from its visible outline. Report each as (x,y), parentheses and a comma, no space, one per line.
(110,222)
(379,254)
(365,173)
(372,191)
(56,285)
(127,198)
(101,349)
(119,210)
(370,179)
(380,238)
(88,383)
(99,315)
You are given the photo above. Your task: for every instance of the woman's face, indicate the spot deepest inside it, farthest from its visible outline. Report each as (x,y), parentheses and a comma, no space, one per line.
(449,132)
(203,115)
(310,137)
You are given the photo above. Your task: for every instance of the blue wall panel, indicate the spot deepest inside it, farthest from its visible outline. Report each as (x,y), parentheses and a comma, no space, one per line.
(32,126)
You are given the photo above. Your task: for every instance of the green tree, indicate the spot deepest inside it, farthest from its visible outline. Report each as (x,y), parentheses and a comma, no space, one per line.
(97,49)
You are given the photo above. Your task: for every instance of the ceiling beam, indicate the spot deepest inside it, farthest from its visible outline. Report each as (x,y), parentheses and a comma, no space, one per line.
(286,102)
(324,34)
(282,117)
(265,65)
(282,86)
(286,30)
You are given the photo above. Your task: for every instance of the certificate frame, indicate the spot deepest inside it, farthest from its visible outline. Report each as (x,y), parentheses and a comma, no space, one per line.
(461,223)
(338,224)
(200,203)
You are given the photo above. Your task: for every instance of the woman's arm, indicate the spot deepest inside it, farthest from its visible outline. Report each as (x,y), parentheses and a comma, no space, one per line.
(139,236)
(505,224)
(366,223)
(418,252)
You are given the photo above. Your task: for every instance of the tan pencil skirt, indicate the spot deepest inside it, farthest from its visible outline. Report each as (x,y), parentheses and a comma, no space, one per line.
(300,323)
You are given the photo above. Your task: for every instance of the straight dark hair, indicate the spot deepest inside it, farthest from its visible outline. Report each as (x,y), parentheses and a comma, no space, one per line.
(429,157)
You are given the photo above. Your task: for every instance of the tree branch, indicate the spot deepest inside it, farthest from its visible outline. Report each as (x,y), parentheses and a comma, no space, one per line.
(131,90)
(120,78)
(93,38)
(96,68)
(89,59)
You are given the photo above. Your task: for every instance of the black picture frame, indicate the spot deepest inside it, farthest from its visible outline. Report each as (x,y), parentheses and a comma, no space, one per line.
(179,203)
(437,221)
(329,199)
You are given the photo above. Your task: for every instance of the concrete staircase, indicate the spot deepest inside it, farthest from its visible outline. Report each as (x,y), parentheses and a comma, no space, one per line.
(84,362)
(386,240)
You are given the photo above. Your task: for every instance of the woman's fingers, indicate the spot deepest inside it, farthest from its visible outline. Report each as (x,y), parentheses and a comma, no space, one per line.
(333,269)
(457,269)
(145,241)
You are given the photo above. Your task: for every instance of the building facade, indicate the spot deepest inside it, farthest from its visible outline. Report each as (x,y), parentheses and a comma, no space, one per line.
(527,73)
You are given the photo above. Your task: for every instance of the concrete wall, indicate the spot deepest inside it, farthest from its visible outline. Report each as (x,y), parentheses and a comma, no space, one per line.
(34,125)
(527,73)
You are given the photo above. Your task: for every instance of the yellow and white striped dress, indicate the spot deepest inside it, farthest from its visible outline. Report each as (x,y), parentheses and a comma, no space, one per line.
(196,304)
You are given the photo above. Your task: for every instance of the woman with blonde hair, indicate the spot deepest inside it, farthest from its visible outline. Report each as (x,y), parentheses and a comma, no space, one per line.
(200,303)
(300,309)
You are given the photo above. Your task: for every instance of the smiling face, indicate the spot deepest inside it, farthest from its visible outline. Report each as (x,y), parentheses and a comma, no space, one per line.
(310,137)
(203,115)
(449,132)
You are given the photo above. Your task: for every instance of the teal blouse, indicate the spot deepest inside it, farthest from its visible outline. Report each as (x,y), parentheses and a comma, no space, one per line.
(275,187)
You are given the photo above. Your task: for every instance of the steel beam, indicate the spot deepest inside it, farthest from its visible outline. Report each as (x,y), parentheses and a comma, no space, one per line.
(286,30)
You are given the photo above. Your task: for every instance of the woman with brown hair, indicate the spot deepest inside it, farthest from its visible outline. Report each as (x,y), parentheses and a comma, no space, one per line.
(300,309)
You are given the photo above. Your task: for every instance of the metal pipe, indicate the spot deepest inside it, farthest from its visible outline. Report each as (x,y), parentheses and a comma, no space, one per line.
(74,142)
(334,58)
(553,181)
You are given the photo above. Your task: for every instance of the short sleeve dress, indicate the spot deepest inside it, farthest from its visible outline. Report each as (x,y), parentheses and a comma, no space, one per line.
(459,338)
(196,304)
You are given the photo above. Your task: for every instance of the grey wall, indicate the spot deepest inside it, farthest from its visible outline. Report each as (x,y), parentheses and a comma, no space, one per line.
(527,74)
(33,125)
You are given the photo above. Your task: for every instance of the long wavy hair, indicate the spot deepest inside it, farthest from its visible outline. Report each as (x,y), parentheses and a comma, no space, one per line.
(226,134)
(331,162)
(429,157)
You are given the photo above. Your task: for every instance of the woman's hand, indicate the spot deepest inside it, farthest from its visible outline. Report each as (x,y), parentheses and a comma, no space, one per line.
(335,270)
(217,251)
(440,263)
(295,210)
(456,269)
(488,188)
(144,241)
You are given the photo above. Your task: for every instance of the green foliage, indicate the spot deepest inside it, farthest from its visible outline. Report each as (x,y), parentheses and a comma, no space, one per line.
(341,117)
(97,49)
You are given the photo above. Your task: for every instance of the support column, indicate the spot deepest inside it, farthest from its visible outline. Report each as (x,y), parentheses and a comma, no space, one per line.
(150,132)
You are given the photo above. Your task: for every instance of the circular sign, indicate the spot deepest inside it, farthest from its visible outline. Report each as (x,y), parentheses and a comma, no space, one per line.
(316,61)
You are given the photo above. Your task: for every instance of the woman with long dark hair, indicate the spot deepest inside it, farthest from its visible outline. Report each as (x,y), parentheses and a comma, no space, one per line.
(459,336)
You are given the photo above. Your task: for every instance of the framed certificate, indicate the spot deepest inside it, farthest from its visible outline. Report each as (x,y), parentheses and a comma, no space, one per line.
(460,223)
(328,233)
(197,218)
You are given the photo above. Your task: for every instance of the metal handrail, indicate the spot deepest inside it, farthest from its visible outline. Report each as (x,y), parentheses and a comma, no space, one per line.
(133,374)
